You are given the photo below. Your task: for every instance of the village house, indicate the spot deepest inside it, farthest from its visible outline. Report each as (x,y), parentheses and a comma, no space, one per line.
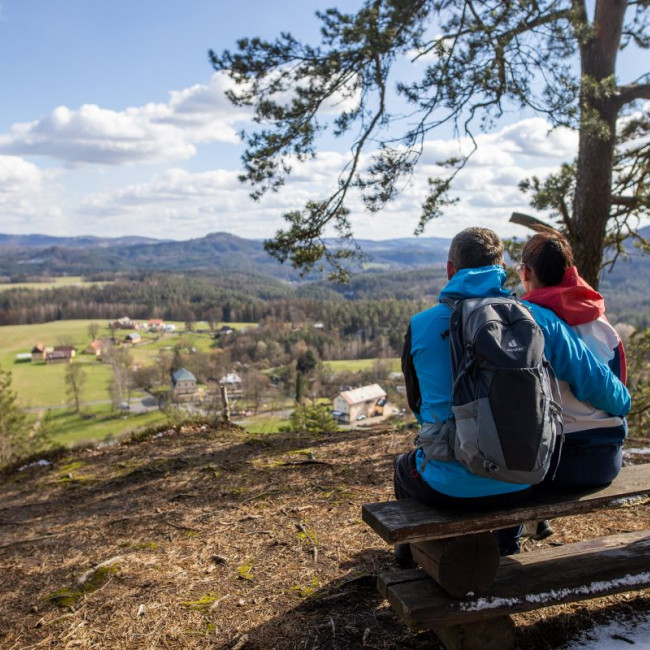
(155,324)
(183,386)
(60,354)
(124,323)
(94,347)
(359,403)
(38,352)
(134,337)
(233,382)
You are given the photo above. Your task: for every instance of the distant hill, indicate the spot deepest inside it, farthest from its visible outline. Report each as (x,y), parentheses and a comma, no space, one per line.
(45,241)
(408,267)
(42,254)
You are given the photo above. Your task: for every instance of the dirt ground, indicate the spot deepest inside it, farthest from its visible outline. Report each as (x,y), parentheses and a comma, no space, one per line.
(204,538)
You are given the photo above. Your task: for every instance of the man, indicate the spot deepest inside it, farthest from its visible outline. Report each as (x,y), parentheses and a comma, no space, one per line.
(475,269)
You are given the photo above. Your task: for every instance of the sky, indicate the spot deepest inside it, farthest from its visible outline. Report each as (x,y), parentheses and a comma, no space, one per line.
(114,123)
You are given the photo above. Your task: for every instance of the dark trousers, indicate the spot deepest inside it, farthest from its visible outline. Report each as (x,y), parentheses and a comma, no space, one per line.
(408,484)
(588,458)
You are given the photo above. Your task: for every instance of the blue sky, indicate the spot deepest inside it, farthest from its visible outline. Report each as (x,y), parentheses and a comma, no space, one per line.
(113,123)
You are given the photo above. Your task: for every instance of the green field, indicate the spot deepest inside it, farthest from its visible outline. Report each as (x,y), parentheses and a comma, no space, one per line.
(360,365)
(266,423)
(42,386)
(98,423)
(63,281)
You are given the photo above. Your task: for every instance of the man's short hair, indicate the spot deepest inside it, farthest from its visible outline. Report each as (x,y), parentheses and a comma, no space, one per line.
(474,247)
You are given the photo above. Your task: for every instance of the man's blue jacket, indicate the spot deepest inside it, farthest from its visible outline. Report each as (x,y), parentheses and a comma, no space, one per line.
(427,370)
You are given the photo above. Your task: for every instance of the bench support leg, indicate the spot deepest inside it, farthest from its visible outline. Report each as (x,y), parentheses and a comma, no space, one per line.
(492,634)
(460,565)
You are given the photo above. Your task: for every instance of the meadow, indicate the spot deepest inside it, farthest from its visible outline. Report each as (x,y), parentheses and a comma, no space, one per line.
(41,387)
(361,365)
(52,283)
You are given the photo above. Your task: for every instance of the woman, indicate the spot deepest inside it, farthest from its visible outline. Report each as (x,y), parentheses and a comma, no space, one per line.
(592,453)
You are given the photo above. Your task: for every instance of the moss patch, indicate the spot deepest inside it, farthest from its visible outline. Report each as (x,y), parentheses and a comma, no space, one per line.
(67,598)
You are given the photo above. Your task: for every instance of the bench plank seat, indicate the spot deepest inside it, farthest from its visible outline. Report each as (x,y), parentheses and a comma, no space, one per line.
(569,573)
(409,520)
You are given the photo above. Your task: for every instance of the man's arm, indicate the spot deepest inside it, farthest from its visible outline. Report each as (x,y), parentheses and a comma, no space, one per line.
(413,395)
(573,362)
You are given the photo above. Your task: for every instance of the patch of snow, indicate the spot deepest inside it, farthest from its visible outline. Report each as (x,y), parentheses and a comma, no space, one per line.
(37,463)
(628,501)
(158,435)
(639,451)
(617,634)
(596,587)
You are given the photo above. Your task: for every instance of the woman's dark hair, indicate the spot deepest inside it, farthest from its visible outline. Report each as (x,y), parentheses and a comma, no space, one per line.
(549,255)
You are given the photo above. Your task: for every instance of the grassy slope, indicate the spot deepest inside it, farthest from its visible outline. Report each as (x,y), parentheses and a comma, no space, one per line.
(62,281)
(98,423)
(39,385)
(42,385)
(356,365)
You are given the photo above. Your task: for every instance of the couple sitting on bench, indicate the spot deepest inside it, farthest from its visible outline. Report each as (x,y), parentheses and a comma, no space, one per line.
(492,430)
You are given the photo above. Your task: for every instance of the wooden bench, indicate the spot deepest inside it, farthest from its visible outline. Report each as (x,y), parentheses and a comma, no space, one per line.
(465,592)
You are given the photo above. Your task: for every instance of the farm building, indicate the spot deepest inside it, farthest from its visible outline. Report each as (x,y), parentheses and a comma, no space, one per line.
(359,403)
(233,382)
(60,354)
(68,349)
(124,323)
(134,337)
(183,386)
(38,352)
(94,347)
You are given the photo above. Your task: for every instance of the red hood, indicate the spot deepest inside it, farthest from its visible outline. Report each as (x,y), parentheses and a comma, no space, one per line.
(573,300)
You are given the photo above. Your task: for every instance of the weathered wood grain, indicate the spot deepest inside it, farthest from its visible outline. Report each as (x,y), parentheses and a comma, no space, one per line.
(494,634)
(460,565)
(570,573)
(412,521)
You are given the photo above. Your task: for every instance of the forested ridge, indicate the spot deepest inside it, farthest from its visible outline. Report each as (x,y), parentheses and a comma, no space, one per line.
(251,297)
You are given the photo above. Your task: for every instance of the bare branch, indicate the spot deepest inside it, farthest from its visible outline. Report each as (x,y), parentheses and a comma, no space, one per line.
(632,92)
(527,221)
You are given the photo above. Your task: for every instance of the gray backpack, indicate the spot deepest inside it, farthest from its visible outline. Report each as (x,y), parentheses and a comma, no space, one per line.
(505,398)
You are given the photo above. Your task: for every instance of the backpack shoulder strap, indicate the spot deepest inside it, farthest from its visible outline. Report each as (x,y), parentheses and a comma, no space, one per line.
(450,302)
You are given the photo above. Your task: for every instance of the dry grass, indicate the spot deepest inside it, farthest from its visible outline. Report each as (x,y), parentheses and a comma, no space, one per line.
(217,539)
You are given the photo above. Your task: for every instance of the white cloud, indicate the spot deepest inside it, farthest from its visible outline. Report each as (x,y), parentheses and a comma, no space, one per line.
(182,204)
(534,137)
(18,176)
(27,196)
(202,112)
(151,133)
(96,135)
(179,204)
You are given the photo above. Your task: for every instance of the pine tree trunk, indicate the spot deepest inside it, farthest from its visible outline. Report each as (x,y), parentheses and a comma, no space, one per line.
(599,111)
(592,203)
